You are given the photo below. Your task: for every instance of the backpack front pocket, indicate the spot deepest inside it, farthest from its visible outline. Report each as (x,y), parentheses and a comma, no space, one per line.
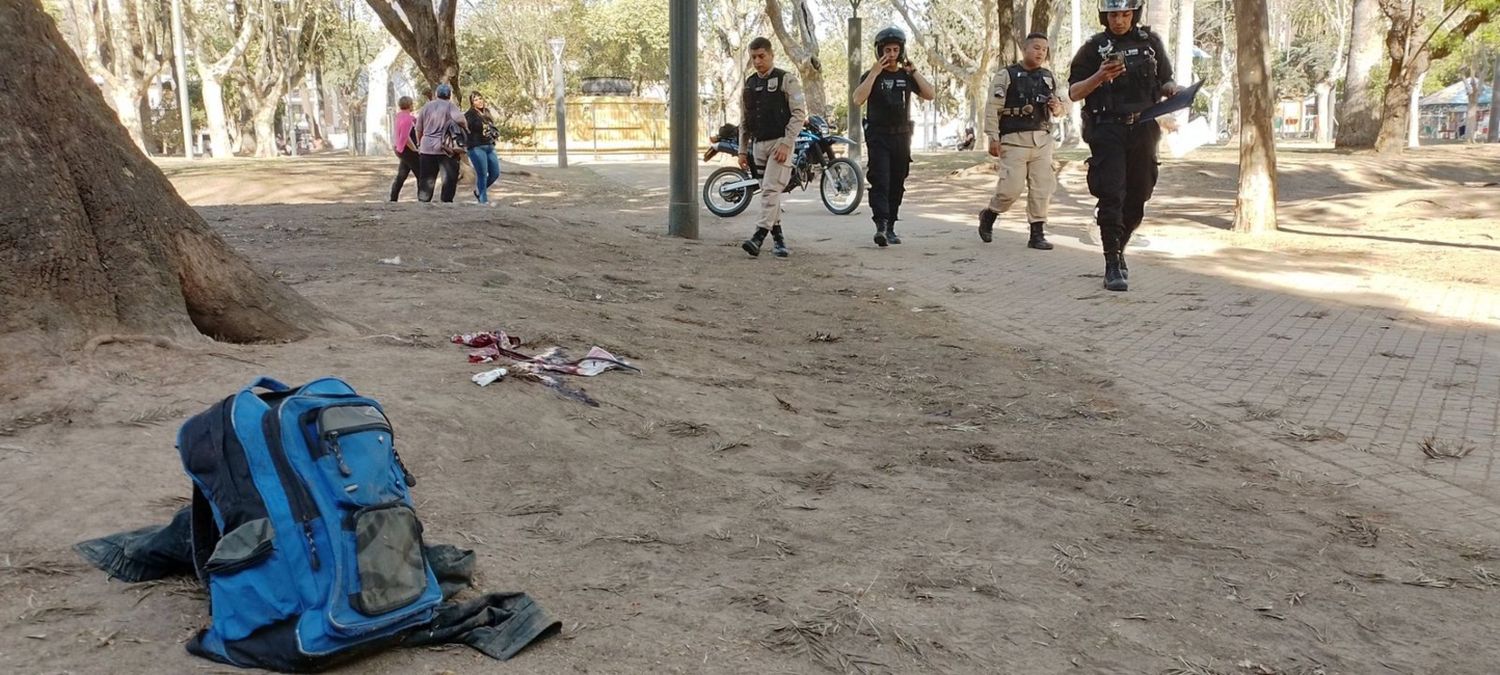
(249,585)
(390,570)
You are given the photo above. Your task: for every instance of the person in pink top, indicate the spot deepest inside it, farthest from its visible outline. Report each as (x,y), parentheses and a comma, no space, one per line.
(405,140)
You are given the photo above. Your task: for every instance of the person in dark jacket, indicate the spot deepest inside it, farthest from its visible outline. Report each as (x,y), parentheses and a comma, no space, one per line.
(886,90)
(481,145)
(1119,73)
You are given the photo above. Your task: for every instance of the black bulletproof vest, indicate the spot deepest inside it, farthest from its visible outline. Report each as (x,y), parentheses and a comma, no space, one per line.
(1137,89)
(767,108)
(888,109)
(1026,100)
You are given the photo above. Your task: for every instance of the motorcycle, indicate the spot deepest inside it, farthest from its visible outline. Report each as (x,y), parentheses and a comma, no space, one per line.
(727,191)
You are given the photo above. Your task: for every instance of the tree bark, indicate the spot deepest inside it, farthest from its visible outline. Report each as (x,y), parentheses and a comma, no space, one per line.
(1495,103)
(99,241)
(802,49)
(1159,18)
(426,34)
(1358,119)
(1473,87)
(378,74)
(1041,16)
(1255,205)
(212,75)
(1075,111)
(1005,18)
(1324,91)
(1183,68)
(1413,115)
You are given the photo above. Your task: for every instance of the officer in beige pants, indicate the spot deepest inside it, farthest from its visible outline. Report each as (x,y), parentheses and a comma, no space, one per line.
(1018,120)
(774,112)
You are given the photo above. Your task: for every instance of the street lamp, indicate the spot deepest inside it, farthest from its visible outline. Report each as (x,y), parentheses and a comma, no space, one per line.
(562,118)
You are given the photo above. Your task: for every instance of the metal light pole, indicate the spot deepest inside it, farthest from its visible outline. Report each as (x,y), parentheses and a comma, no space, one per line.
(682,211)
(562,116)
(181,74)
(855,131)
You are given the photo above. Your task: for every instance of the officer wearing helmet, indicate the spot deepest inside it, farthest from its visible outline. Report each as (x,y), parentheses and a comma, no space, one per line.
(1119,73)
(886,90)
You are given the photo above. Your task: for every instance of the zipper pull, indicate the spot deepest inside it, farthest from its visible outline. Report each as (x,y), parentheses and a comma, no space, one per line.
(338,453)
(411,481)
(312,547)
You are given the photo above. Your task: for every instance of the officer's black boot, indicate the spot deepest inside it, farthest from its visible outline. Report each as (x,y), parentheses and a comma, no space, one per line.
(1129,232)
(778,247)
(752,245)
(1124,271)
(1113,280)
(1038,240)
(987,225)
(890,233)
(880,228)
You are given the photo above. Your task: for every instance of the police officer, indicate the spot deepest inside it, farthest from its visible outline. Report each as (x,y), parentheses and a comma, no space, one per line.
(885,90)
(1119,73)
(1018,121)
(773,114)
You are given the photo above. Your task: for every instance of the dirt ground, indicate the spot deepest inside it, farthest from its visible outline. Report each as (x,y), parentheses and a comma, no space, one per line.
(810,474)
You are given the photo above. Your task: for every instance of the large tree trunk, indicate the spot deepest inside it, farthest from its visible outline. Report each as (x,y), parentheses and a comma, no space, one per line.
(116,251)
(1413,114)
(1473,87)
(1255,206)
(378,73)
(1358,111)
(802,49)
(1495,103)
(1159,18)
(1010,44)
(1409,60)
(218,122)
(426,34)
(1075,111)
(1324,91)
(1041,16)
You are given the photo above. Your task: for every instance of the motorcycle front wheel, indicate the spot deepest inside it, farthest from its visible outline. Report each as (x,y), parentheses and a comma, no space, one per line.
(841,187)
(726,203)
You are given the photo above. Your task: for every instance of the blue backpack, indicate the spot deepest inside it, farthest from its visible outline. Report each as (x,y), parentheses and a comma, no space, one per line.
(303,528)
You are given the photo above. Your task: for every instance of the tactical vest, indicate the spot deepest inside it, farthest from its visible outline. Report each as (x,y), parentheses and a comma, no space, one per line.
(767,108)
(1138,88)
(888,109)
(1026,100)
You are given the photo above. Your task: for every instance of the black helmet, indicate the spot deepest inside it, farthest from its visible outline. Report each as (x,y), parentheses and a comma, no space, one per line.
(888,35)
(1108,6)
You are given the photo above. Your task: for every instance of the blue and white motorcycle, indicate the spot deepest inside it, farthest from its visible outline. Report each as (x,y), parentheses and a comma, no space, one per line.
(727,191)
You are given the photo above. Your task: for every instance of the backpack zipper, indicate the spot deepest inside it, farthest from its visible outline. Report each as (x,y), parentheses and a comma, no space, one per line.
(298,496)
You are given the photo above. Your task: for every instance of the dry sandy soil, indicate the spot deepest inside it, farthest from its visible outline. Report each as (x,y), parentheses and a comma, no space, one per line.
(807,475)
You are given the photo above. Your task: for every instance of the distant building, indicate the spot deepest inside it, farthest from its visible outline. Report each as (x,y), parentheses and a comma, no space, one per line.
(1444,113)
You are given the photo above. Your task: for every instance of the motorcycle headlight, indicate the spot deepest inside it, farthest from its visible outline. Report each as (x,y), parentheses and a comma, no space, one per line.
(818,124)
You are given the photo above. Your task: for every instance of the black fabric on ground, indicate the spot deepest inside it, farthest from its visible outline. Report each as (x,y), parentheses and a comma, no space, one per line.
(498,624)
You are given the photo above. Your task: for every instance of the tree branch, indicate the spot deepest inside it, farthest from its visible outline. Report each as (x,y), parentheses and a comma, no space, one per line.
(396,26)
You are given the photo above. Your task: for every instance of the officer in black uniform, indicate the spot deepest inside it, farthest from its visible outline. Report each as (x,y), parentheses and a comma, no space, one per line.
(1119,73)
(885,90)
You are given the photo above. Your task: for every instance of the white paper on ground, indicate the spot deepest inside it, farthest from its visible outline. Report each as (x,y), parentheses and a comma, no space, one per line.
(488,376)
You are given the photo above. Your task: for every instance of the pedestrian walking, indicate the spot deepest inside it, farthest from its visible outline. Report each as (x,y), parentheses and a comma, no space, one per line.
(774,111)
(1018,120)
(1118,73)
(886,90)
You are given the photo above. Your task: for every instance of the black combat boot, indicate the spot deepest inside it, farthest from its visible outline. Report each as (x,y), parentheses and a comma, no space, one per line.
(880,228)
(752,245)
(987,225)
(778,243)
(890,233)
(1038,240)
(1124,271)
(1113,280)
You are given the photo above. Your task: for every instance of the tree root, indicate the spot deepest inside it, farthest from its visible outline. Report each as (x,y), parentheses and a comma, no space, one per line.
(101,340)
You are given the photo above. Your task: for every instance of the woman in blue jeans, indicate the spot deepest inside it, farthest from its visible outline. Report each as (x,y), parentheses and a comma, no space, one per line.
(482,135)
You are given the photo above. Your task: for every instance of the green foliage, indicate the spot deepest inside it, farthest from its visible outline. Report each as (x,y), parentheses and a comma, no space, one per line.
(626,38)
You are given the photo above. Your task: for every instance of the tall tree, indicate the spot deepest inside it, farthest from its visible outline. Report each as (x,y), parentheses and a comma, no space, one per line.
(1159,18)
(1412,48)
(962,44)
(800,44)
(1330,16)
(731,24)
(1495,100)
(1075,29)
(212,71)
(1041,16)
(1358,111)
(93,251)
(121,41)
(378,138)
(426,33)
(1255,205)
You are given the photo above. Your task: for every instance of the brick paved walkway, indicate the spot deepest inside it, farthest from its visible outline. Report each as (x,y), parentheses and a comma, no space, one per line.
(1342,386)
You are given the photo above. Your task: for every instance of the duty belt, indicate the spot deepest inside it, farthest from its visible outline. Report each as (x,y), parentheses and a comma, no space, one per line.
(1027,110)
(1122,118)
